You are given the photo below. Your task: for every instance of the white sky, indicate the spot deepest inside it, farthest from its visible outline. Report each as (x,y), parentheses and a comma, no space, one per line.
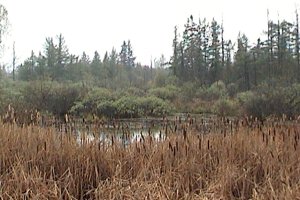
(90,25)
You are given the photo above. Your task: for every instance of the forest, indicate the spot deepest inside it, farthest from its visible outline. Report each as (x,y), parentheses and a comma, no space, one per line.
(206,74)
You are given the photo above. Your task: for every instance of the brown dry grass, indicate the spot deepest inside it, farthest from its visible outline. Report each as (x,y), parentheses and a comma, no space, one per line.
(251,163)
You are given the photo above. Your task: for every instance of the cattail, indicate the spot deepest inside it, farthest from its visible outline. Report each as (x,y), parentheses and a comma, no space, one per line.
(166,130)
(170,146)
(112,140)
(184,134)
(66,118)
(160,136)
(150,137)
(200,142)
(142,137)
(208,144)
(186,150)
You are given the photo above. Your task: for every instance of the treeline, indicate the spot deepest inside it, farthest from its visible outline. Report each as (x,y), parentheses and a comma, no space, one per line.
(205,56)
(202,55)
(207,73)
(56,63)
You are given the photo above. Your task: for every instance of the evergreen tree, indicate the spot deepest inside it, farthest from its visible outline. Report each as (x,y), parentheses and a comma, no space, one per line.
(51,56)
(242,61)
(62,58)
(214,52)
(96,65)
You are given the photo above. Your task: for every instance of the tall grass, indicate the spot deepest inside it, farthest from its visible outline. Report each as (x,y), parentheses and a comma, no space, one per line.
(257,162)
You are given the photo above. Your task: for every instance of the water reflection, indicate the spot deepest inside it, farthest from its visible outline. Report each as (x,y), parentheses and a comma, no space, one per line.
(125,139)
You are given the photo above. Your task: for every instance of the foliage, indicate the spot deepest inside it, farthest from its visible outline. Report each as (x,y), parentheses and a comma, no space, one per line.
(168,92)
(226,107)
(267,101)
(153,106)
(51,96)
(10,94)
(92,102)
(127,106)
(216,91)
(205,67)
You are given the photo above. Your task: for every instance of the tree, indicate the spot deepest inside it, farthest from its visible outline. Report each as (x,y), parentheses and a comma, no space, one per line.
(62,57)
(41,66)
(175,59)
(96,65)
(84,59)
(214,53)
(242,61)
(26,72)
(123,54)
(130,57)
(51,56)
(127,59)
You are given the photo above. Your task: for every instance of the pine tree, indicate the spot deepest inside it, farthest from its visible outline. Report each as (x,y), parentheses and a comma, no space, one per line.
(175,59)
(123,54)
(214,52)
(130,57)
(51,56)
(242,61)
(96,65)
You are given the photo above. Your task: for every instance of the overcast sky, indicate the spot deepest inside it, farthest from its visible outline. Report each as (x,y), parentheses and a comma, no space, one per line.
(90,25)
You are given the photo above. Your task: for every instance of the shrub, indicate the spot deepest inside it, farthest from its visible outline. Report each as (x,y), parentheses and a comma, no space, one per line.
(93,102)
(127,106)
(107,108)
(153,106)
(166,93)
(214,92)
(232,89)
(226,107)
(11,94)
(188,91)
(272,101)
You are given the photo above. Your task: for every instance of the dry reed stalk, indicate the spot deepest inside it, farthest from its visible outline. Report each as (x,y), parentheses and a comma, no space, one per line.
(51,165)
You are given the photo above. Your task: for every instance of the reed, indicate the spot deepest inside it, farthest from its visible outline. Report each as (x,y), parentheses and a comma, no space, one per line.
(255,162)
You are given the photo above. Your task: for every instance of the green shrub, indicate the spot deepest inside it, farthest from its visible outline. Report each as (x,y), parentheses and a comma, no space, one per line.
(188,91)
(133,91)
(216,91)
(153,106)
(226,107)
(232,89)
(10,93)
(272,101)
(92,102)
(107,108)
(166,93)
(127,106)
(244,97)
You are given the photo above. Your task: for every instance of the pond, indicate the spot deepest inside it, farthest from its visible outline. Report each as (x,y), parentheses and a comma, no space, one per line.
(126,139)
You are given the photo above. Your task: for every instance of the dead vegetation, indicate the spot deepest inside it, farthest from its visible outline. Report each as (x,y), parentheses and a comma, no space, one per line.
(238,160)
